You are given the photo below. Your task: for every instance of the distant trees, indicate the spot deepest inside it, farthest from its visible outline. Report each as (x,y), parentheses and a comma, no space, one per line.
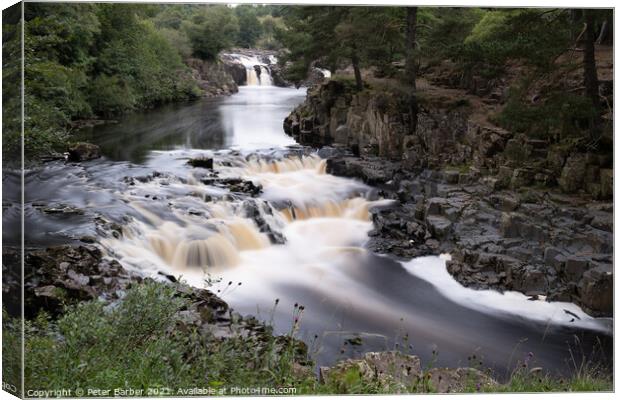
(211,29)
(250,28)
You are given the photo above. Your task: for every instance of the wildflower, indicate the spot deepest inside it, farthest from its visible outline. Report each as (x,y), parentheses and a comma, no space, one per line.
(478,386)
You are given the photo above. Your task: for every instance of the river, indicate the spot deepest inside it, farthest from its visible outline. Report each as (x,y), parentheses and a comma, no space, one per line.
(300,242)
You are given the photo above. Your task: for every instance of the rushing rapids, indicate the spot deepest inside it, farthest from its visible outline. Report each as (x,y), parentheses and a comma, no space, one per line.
(213,233)
(297,235)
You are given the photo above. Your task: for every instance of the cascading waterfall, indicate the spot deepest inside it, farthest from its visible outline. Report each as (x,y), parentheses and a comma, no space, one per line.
(216,235)
(257,72)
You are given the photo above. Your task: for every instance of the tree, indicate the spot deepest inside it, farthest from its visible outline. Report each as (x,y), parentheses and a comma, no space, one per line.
(590,77)
(357,36)
(212,29)
(250,27)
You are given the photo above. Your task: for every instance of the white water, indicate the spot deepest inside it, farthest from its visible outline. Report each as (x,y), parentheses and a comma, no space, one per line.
(182,223)
(250,62)
(325,219)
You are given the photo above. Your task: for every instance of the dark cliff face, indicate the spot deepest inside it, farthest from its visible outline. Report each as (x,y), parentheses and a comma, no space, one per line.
(450,131)
(212,77)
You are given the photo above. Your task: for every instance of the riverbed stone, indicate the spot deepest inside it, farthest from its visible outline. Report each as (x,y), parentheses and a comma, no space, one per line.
(438,226)
(596,290)
(83,151)
(575,267)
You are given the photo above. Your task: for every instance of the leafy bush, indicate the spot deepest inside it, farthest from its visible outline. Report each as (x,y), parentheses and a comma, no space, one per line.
(536,37)
(110,95)
(558,116)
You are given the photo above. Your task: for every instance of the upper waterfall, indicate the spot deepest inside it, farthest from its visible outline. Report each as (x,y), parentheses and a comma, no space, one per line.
(258,72)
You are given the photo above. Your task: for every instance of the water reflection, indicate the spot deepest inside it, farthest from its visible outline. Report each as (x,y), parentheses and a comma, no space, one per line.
(251,119)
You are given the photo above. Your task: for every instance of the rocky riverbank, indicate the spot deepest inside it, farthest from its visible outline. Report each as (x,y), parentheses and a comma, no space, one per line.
(515,213)
(62,277)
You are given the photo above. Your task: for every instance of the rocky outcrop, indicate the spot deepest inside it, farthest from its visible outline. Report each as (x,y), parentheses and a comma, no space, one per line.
(542,243)
(449,132)
(83,152)
(402,373)
(213,77)
(66,275)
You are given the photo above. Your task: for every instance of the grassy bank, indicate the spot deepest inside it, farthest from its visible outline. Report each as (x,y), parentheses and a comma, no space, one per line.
(148,341)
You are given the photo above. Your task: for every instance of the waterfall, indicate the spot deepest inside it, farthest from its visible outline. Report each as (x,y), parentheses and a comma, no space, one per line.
(257,73)
(217,233)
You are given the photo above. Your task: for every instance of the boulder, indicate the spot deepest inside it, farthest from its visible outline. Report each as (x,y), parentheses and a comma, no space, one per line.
(574,267)
(387,368)
(201,162)
(83,152)
(439,227)
(573,173)
(237,71)
(596,290)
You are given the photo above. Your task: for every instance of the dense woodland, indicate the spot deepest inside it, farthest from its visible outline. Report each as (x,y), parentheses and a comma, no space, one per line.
(103,60)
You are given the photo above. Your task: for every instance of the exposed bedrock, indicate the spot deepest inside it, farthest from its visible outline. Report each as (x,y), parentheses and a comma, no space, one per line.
(515,213)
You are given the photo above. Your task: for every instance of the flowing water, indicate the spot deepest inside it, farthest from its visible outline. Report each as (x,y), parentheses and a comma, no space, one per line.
(301,241)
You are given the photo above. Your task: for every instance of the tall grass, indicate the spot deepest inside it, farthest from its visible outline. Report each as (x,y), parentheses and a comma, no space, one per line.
(148,341)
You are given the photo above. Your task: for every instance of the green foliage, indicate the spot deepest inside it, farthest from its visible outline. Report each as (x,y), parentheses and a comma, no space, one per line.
(141,342)
(11,86)
(11,350)
(212,29)
(534,36)
(442,30)
(84,60)
(250,27)
(110,95)
(557,116)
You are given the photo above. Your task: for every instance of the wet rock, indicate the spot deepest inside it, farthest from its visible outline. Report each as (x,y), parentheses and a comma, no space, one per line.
(257,211)
(532,281)
(574,267)
(69,274)
(438,226)
(83,152)
(596,290)
(201,163)
(373,171)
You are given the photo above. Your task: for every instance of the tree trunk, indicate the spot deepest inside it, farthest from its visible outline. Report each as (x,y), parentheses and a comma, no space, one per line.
(410,58)
(356,69)
(410,66)
(590,77)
